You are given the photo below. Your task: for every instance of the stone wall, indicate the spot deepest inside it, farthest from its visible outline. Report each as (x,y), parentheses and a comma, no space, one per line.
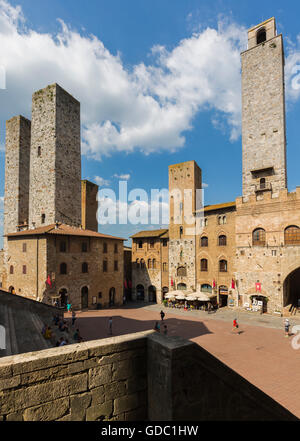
(142,376)
(98,380)
(192,385)
(89,205)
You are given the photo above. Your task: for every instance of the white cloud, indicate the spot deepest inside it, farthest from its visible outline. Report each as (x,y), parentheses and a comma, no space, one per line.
(292,70)
(147,107)
(101,181)
(124,177)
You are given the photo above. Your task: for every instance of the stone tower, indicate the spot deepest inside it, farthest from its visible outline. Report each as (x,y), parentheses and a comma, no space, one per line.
(89,192)
(263,112)
(184,179)
(55,162)
(17,162)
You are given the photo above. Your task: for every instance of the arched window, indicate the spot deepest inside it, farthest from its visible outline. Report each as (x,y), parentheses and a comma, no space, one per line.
(203,265)
(181,286)
(292,235)
(205,222)
(181,271)
(206,288)
(262,183)
(204,241)
(63,268)
(222,240)
(11,269)
(149,263)
(154,264)
(261,36)
(223,266)
(85,267)
(219,220)
(142,263)
(259,237)
(224,220)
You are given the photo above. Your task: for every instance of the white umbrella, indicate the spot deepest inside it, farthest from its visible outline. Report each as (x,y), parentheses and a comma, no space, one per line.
(180,297)
(191,298)
(169,296)
(202,296)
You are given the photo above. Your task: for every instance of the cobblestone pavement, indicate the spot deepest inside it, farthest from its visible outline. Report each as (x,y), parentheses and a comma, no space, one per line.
(260,353)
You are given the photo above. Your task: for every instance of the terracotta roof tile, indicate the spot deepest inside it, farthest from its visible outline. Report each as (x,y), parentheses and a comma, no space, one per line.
(150,233)
(63,230)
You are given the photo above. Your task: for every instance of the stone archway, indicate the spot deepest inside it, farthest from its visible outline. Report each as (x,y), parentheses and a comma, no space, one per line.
(291,289)
(140,292)
(152,294)
(84,297)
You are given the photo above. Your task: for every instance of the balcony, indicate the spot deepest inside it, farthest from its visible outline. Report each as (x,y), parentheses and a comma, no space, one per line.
(263,186)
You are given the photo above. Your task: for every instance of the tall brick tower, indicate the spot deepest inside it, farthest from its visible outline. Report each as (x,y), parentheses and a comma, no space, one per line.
(55,162)
(89,192)
(17,160)
(184,179)
(263,112)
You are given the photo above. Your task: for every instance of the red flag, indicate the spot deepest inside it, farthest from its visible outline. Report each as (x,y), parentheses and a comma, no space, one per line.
(232,284)
(258,286)
(172,283)
(214,283)
(125,284)
(48,281)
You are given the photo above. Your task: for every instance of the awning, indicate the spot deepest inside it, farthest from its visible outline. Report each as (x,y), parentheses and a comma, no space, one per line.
(204,296)
(191,298)
(180,297)
(169,296)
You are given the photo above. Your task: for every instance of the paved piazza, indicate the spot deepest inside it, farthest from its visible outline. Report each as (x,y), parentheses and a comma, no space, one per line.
(260,353)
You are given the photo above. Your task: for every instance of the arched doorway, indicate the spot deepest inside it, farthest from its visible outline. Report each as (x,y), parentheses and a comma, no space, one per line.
(63,294)
(12,290)
(112,294)
(84,297)
(140,292)
(165,291)
(152,294)
(291,290)
(181,286)
(223,296)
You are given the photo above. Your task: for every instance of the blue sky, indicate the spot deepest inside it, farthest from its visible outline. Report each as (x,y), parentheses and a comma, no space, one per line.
(159,83)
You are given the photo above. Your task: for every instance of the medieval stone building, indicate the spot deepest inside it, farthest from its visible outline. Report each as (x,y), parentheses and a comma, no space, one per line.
(52,248)
(248,249)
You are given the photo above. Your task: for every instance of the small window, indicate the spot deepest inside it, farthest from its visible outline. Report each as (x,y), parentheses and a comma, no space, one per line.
(85,268)
(24,247)
(261,36)
(204,241)
(63,268)
(142,263)
(116,248)
(140,244)
(222,240)
(149,263)
(205,221)
(151,243)
(165,242)
(224,220)
(24,269)
(43,218)
(219,220)
(116,268)
(105,266)
(262,183)
(203,265)
(180,231)
(99,295)
(84,247)
(11,269)
(223,266)
(259,237)
(63,247)
(164,266)
(39,151)
(105,248)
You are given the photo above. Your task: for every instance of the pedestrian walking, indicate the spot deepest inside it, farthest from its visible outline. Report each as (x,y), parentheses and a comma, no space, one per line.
(162,314)
(69,306)
(110,326)
(73,317)
(235,325)
(287,327)
(157,327)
